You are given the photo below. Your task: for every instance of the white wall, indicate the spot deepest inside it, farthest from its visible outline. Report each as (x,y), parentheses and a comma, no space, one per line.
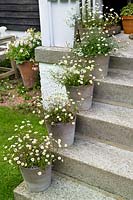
(49,86)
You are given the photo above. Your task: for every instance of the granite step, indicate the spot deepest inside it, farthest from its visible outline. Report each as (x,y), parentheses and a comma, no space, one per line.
(121,62)
(101,165)
(65,188)
(116,88)
(107,122)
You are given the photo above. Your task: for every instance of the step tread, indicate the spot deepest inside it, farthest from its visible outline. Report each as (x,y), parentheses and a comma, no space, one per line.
(113,114)
(125,46)
(102,156)
(66,188)
(118,77)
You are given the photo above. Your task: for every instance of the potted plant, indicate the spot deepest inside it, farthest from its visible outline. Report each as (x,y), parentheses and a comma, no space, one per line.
(96,45)
(60,117)
(33,153)
(22,51)
(127,18)
(109,21)
(78,79)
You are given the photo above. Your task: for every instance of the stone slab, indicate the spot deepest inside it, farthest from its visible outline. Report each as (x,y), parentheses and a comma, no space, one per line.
(99,164)
(51,55)
(64,188)
(120,62)
(125,46)
(107,122)
(116,88)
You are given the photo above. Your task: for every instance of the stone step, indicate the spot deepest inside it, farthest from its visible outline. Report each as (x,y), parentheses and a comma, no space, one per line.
(100,165)
(65,188)
(116,88)
(107,122)
(120,62)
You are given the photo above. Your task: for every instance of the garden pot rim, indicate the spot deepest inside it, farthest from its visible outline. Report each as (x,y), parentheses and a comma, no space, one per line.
(35,167)
(61,123)
(127,17)
(27,61)
(80,86)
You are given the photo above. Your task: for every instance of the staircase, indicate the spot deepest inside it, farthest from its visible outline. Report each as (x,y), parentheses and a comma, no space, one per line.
(102,155)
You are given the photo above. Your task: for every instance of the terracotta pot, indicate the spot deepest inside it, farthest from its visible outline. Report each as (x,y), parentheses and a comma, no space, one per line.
(34,182)
(127,22)
(63,131)
(28,73)
(82,95)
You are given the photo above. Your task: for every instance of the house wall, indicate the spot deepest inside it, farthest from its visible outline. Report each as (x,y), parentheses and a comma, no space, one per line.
(19,14)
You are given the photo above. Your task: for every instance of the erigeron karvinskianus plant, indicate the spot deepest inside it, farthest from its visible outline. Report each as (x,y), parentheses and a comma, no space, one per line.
(60,118)
(94,17)
(22,52)
(34,153)
(77,77)
(96,45)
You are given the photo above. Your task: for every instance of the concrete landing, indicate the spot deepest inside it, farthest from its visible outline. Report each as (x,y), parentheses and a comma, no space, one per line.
(125,45)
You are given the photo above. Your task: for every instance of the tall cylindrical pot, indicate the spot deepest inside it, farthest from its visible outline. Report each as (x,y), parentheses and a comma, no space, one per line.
(63,131)
(101,66)
(28,73)
(82,95)
(35,182)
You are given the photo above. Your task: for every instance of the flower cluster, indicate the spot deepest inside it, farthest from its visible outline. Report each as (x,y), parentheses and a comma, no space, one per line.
(95,42)
(6,85)
(23,49)
(94,17)
(29,148)
(60,110)
(76,71)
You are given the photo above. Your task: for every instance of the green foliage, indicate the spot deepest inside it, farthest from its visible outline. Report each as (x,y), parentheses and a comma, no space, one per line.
(5,63)
(5,85)
(127,10)
(35,106)
(9,176)
(24,49)
(90,18)
(95,42)
(30,148)
(60,110)
(76,71)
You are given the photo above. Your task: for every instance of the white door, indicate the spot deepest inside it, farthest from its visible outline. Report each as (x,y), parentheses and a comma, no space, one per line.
(54,27)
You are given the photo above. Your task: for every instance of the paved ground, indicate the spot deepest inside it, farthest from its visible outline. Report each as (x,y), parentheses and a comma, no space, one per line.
(126,45)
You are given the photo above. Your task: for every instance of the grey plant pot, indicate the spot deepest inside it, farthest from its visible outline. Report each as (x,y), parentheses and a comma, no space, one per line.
(102,65)
(34,182)
(63,131)
(79,92)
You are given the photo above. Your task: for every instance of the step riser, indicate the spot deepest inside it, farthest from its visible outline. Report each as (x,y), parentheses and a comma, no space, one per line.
(96,177)
(112,92)
(104,130)
(121,63)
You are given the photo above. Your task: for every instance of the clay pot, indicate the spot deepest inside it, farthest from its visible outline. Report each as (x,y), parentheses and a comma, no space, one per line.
(28,71)
(127,22)
(34,182)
